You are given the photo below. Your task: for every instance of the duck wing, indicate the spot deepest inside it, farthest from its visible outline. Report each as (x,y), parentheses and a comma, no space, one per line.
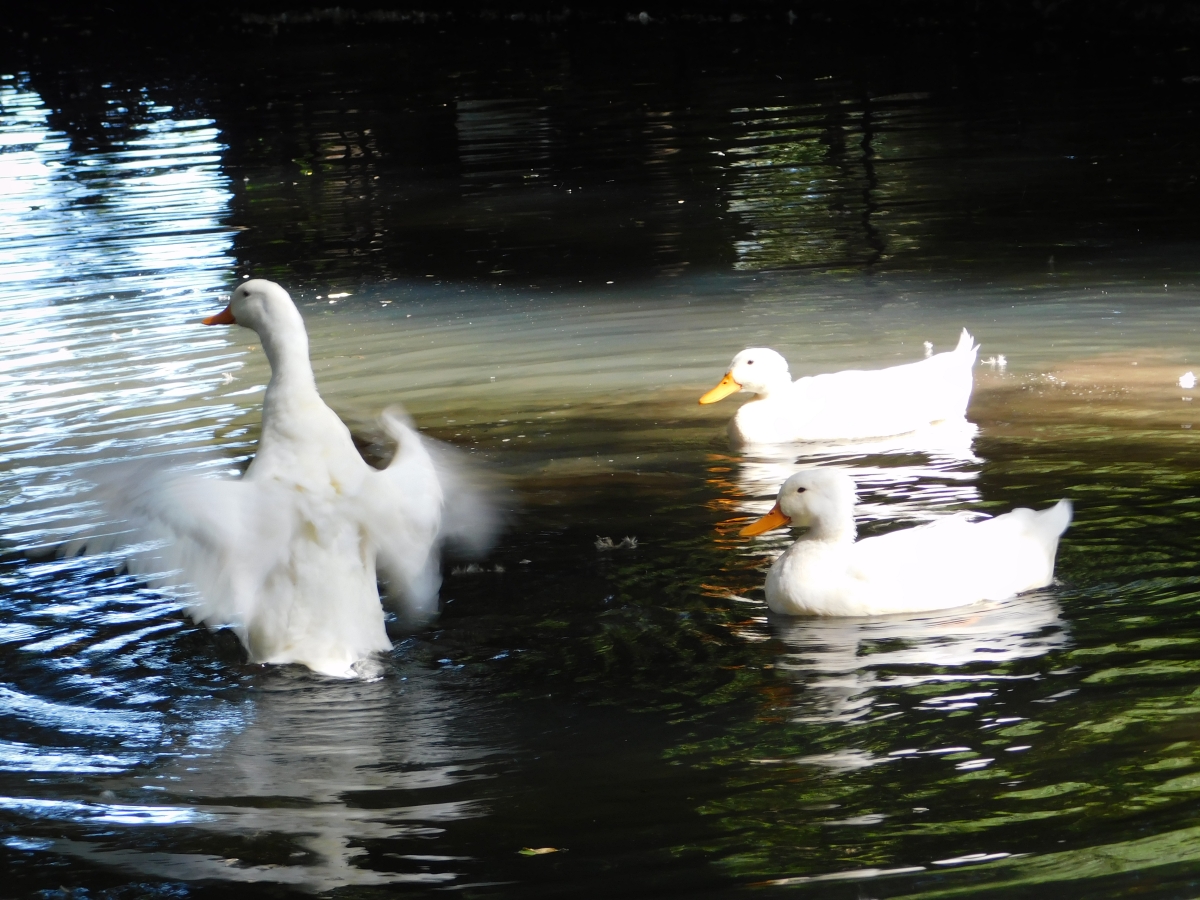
(426,498)
(957,559)
(924,553)
(209,541)
(402,505)
(858,403)
(471,520)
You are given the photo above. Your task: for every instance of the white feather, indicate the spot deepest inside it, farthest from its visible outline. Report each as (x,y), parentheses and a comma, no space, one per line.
(950,562)
(849,405)
(287,555)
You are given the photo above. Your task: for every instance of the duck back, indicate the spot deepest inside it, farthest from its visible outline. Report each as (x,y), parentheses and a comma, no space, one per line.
(856,404)
(950,562)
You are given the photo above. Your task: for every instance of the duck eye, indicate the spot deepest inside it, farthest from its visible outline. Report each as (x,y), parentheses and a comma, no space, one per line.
(749,362)
(801,490)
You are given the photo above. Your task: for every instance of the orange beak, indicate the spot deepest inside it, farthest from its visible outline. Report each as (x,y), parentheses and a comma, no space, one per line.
(724,389)
(224,317)
(774,519)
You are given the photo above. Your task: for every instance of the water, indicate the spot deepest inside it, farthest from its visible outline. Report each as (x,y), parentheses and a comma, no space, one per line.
(547,258)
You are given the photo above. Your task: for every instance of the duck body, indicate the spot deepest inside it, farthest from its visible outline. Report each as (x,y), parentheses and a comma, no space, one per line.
(849,405)
(947,563)
(290,555)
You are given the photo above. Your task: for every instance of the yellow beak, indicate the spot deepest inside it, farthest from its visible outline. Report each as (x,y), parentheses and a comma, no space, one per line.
(224,317)
(724,389)
(774,519)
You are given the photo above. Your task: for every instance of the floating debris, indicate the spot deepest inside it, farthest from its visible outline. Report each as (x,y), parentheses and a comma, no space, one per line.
(928,349)
(996,362)
(476,569)
(540,851)
(1187,380)
(604,544)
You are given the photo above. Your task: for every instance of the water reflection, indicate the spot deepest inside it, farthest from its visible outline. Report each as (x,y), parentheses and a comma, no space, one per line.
(910,478)
(117,248)
(145,213)
(502,141)
(843,665)
(137,746)
(319,787)
(828,183)
(112,246)
(113,249)
(566,178)
(320,775)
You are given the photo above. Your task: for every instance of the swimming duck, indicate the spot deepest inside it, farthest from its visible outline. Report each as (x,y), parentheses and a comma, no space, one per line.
(287,555)
(848,405)
(950,562)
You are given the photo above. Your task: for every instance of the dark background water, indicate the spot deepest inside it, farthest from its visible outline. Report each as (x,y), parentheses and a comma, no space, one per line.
(549,146)
(832,177)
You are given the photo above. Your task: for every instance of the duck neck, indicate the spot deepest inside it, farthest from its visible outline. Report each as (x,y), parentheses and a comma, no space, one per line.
(776,385)
(291,371)
(836,529)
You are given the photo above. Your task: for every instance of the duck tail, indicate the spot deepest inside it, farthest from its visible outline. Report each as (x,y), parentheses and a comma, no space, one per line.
(1047,527)
(966,343)
(1051,523)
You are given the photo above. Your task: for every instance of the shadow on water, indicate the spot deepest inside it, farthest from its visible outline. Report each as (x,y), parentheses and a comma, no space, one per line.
(546,237)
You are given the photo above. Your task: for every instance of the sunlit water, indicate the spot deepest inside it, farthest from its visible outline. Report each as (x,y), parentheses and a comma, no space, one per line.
(634,710)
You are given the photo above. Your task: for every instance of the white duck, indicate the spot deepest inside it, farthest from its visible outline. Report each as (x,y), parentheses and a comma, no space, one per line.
(287,554)
(950,562)
(848,405)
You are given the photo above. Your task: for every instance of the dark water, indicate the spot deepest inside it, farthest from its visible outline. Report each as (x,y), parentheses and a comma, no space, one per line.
(547,240)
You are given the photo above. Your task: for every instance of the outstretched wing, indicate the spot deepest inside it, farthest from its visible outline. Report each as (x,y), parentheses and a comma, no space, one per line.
(403,509)
(426,498)
(471,519)
(210,541)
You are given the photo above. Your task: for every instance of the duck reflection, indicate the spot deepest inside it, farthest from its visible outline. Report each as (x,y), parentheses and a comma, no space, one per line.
(842,663)
(331,784)
(909,478)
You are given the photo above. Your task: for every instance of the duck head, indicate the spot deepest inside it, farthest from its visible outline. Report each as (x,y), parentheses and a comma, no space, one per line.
(266,309)
(260,305)
(819,499)
(758,370)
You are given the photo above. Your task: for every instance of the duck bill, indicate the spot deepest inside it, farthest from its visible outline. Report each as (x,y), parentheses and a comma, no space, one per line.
(774,519)
(721,391)
(224,317)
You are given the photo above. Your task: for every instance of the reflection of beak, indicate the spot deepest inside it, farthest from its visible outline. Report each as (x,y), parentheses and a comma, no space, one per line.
(724,389)
(224,317)
(774,519)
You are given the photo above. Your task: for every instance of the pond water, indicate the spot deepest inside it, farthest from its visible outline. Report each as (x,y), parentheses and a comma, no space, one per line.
(547,256)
